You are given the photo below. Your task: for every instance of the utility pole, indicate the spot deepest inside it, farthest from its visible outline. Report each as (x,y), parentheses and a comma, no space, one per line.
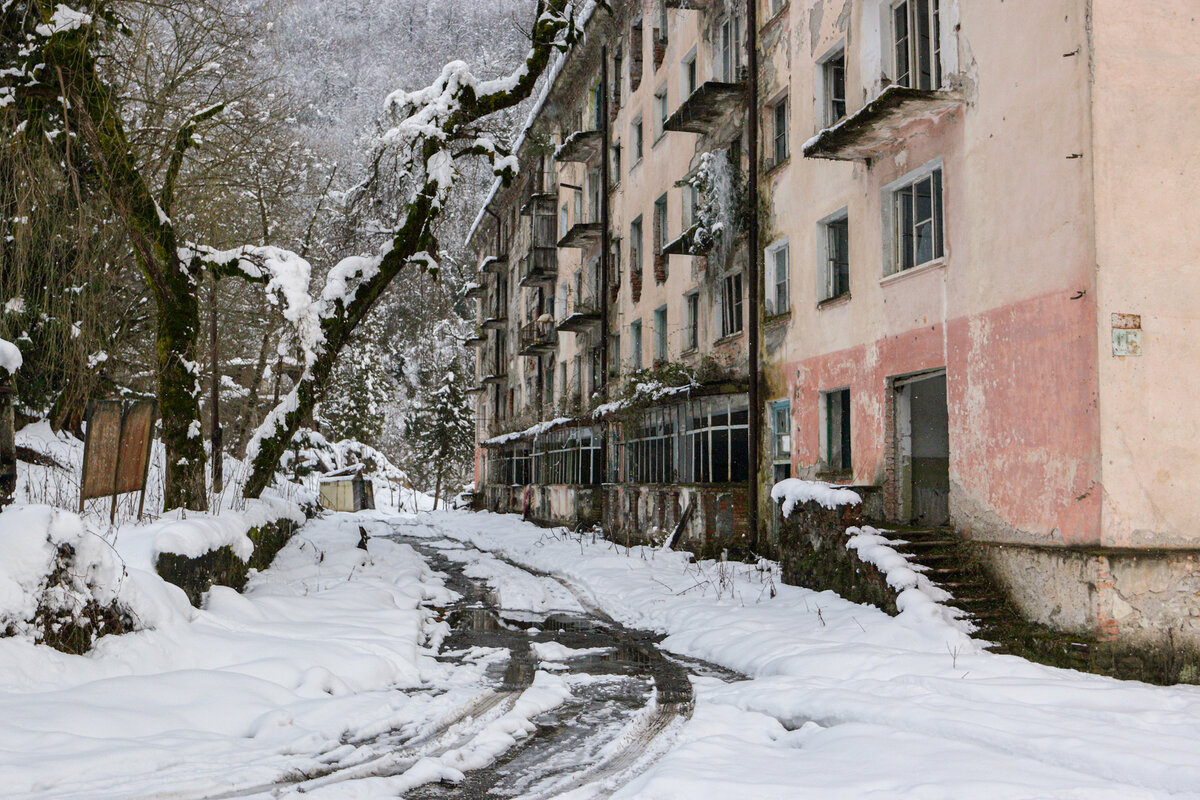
(752,270)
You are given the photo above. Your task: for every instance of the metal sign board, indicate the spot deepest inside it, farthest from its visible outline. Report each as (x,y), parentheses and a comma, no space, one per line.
(116,451)
(100,450)
(137,434)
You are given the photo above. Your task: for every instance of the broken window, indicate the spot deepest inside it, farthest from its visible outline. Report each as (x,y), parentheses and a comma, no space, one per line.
(917,221)
(731,304)
(635,134)
(834,73)
(837,430)
(781,438)
(568,456)
(691,321)
(660,334)
(778,300)
(635,344)
(916,43)
(836,269)
(779,117)
(689,76)
(662,111)
(701,441)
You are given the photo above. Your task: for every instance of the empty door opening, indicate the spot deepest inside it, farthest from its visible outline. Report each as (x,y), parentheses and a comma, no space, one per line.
(923,450)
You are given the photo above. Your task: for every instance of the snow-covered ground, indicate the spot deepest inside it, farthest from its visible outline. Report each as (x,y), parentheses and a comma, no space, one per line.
(332,650)
(845,701)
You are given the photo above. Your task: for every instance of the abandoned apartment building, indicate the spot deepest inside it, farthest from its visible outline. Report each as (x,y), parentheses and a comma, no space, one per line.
(932,249)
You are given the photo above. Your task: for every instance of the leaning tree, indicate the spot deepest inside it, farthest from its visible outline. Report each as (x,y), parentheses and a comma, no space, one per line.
(51,79)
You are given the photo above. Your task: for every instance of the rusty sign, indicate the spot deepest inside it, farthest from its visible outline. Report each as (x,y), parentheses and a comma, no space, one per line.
(1126,335)
(116,450)
(100,449)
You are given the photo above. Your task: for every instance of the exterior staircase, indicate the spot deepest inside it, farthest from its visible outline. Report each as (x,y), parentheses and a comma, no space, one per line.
(950,563)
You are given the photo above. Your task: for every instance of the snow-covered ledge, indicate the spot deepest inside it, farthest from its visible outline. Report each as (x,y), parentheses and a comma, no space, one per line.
(792,492)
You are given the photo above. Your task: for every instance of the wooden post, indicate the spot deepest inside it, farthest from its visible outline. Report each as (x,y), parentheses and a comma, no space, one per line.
(215,459)
(8,448)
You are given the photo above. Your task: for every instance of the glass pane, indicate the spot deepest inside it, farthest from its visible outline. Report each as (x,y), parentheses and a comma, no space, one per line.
(900,30)
(720,455)
(924,45)
(739,457)
(904,224)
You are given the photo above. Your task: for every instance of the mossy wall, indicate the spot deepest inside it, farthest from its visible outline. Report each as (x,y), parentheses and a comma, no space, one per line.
(222,567)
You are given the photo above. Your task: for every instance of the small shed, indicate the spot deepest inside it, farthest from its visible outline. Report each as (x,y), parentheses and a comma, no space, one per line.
(347,489)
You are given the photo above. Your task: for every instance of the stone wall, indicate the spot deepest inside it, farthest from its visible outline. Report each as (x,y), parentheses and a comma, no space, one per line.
(649,514)
(557,504)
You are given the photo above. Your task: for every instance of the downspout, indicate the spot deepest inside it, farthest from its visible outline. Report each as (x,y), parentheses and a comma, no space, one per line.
(605,245)
(496,350)
(752,271)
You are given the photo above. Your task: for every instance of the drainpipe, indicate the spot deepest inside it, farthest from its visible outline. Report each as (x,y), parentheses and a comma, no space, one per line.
(752,271)
(496,350)
(605,246)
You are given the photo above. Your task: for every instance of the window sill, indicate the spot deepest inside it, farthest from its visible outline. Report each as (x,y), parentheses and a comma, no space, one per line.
(778,319)
(662,135)
(928,266)
(775,18)
(845,476)
(771,169)
(831,302)
(728,338)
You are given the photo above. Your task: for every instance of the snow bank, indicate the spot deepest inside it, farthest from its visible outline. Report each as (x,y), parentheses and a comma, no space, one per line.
(793,492)
(36,541)
(10,356)
(918,599)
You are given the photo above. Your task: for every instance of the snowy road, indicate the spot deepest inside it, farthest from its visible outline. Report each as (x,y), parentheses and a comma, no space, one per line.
(473,655)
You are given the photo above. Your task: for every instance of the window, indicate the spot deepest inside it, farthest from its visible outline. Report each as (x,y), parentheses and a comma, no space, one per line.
(577,387)
(835,270)
(635,134)
(660,334)
(635,247)
(562,381)
(618,62)
(577,196)
(704,440)
(781,438)
(567,456)
(726,56)
(691,320)
(614,355)
(778,301)
(833,71)
(595,107)
(731,304)
(916,45)
(689,77)
(564,220)
(660,224)
(635,344)
(691,201)
(616,160)
(661,110)
(916,210)
(779,122)
(837,430)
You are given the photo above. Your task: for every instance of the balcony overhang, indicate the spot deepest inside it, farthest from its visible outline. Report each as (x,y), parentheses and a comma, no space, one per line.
(496,265)
(478,340)
(475,389)
(494,324)
(580,321)
(539,348)
(474,291)
(580,146)
(539,267)
(582,235)
(707,107)
(495,380)
(879,125)
(685,244)
(687,5)
(540,203)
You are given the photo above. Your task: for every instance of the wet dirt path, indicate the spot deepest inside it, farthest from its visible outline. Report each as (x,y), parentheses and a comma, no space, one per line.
(628,698)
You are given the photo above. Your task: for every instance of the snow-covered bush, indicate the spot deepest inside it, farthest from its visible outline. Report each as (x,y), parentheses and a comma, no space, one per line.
(60,584)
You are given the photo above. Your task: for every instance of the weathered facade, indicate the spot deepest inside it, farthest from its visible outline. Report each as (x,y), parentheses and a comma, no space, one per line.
(976,276)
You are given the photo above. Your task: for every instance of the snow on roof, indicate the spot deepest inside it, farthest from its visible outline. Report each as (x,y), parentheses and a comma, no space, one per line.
(535,430)
(551,77)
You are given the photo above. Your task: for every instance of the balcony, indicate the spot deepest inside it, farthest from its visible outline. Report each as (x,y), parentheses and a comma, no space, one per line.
(880,126)
(497,323)
(495,265)
(541,201)
(539,266)
(579,309)
(580,146)
(688,5)
(495,380)
(582,235)
(474,291)
(477,339)
(707,107)
(687,243)
(538,338)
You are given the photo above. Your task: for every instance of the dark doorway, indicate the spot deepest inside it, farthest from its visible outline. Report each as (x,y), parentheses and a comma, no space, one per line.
(923,449)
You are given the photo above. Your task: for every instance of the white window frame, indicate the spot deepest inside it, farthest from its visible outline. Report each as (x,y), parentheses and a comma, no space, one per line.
(689,83)
(826,113)
(691,321)
(778,157)
(637,136)
(825,256)
(905,74)
(726,54)
(893,260)
(770,261)
(731,316)
(781,440)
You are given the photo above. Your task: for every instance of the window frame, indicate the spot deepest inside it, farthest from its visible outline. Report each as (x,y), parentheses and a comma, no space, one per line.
(691,319)
(771,261)
(689,74)
(637,134)
(780,130)
(635,344)
(894,219)
(781,441)
(828,272)
(833,108)
(660,334)
(731,310)
(837,423)
(914,49)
